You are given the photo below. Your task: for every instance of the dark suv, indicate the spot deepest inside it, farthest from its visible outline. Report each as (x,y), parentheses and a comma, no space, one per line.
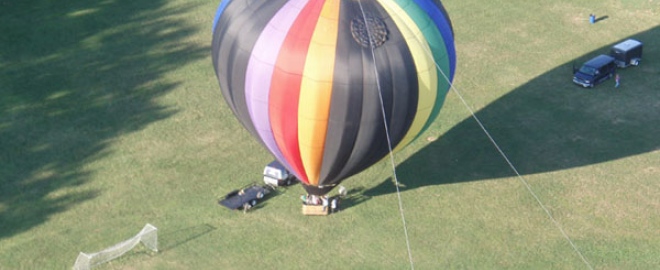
(595,71)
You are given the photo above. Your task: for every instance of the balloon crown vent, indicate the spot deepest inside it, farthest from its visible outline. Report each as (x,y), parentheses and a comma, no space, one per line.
(369,31)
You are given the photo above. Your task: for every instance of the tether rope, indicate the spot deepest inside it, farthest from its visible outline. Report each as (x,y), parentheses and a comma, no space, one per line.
(483,128)
(522,180)
(387,134)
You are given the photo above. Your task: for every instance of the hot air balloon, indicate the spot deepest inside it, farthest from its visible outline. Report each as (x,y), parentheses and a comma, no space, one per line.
(331,87)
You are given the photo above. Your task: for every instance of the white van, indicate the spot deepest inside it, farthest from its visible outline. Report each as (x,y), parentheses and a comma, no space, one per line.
(275,174)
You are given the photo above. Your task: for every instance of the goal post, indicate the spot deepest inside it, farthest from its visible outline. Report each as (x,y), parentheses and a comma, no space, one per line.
(147,236)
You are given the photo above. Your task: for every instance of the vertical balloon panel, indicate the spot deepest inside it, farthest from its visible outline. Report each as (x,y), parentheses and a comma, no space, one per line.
(321,84)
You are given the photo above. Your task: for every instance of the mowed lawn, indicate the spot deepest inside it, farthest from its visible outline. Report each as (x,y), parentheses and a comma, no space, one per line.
(111,118)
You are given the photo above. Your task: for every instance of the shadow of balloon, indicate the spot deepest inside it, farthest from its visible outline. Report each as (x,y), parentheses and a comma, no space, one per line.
(545,125)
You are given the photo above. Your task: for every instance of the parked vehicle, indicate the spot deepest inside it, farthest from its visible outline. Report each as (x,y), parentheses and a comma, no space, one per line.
(626,53)
(245,198)
(275,174)
(595,71)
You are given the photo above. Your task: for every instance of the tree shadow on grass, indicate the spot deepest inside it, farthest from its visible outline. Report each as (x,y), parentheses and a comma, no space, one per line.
(74,76)
(545,125)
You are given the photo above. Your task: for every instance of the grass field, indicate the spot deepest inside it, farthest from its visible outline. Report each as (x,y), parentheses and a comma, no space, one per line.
(111,117)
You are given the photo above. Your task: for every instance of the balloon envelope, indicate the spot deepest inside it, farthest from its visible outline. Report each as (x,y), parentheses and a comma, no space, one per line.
(324,85)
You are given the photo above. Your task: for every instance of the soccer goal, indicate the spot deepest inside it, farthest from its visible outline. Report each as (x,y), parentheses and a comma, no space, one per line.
(148,236)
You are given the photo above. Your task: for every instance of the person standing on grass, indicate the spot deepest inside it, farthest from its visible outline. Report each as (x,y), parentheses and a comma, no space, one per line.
(617,80)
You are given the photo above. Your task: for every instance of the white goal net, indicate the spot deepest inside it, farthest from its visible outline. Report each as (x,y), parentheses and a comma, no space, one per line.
(148,236)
